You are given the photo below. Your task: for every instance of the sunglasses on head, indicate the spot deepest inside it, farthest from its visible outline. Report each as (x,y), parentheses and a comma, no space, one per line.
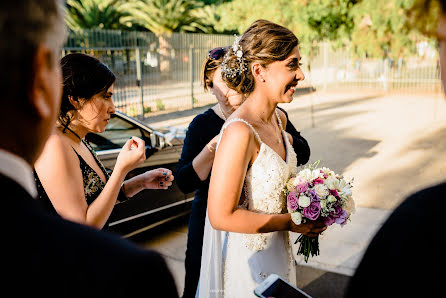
(217,53)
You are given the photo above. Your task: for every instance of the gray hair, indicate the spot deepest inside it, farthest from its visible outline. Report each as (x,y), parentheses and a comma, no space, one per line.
(24,25)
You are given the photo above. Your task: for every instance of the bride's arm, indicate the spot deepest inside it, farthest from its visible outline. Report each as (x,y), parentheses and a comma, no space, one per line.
(236,149)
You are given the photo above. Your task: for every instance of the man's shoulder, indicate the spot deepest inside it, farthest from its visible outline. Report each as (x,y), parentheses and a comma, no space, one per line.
(73,255)
(417,213)
(432,192)
(423,200)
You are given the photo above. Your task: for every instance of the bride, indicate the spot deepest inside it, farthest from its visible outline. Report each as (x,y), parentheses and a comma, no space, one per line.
(246,231)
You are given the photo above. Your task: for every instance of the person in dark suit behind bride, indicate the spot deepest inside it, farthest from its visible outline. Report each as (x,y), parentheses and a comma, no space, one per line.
(405,257)
(45,255)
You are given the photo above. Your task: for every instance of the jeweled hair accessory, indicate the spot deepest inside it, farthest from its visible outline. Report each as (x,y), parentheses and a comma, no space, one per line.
(241,61)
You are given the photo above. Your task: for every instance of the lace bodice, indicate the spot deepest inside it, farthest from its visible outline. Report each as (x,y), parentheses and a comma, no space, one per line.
(265,181)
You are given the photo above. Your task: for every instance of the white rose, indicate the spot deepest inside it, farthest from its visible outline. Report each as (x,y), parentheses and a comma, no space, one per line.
(331,182)
(296,217)
(306,175)
(349,205)
(315,174)
(304,201)
(290,184)
(239,53)
(331,198)
(321,190)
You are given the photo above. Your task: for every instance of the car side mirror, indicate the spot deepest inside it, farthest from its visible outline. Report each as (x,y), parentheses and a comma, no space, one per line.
(157,140)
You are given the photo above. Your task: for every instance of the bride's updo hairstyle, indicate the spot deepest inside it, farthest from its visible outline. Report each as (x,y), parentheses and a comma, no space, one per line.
(264,42)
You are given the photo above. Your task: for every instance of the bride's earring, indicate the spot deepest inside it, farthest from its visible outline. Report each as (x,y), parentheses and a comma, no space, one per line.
(262,80)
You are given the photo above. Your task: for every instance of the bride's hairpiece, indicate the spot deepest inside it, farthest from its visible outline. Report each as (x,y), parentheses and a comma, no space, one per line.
(241,61)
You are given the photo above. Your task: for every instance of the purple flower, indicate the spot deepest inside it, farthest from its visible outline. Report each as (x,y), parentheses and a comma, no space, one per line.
(302,187)
(338,216)
(313,195)
(342,218)
(318,181)
(313,211)
(292,201)
(328,221)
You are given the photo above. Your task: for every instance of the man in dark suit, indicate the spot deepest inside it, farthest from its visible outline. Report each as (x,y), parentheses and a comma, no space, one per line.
(405,258)
(42,255)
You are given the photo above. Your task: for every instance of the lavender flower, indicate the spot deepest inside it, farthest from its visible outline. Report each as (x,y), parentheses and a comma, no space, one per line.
(313,195)
(313,211)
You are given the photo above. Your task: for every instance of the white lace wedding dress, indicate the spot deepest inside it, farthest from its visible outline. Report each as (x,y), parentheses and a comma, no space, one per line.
(233,264)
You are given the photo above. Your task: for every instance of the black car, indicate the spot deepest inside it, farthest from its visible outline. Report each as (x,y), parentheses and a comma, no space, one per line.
(149,208)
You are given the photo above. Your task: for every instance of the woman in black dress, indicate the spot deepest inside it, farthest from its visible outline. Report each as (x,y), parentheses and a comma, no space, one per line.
(71,180)
(194,167)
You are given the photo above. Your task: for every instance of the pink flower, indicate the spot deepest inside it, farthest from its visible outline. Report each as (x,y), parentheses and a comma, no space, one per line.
(334,193)
(292,201)
(318,181)
(328,221)
(302,187)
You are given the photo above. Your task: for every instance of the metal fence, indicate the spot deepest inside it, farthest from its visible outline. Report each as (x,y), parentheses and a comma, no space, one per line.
(154,73)
(335,69)
(162,73)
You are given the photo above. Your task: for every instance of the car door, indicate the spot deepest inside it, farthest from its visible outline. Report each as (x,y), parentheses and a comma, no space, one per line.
(148,208)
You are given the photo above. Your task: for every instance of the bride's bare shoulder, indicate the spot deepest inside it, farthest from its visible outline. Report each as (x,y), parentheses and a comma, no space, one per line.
(238,129)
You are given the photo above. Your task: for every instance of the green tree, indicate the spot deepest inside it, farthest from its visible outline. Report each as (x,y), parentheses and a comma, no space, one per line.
(237,15)
(330,20)
(166,16)
(380,29)
(95,14)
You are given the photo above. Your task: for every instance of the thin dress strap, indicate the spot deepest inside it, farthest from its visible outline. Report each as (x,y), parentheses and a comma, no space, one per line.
(240,120)
(278,119)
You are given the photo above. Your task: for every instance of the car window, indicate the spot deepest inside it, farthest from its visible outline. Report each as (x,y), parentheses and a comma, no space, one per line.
(118,131)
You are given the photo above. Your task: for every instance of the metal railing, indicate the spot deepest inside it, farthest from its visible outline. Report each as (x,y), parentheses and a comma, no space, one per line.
(154,73)
(162,72)
(332,69)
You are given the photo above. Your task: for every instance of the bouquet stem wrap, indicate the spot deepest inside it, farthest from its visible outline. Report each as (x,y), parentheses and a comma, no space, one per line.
(307,246)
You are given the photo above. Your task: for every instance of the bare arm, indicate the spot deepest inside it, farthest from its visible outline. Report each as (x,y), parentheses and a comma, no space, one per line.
(237,148)
(60,174)
(202,163)
(160,178)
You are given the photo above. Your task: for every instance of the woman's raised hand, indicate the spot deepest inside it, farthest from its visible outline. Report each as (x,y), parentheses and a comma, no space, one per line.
(132,154)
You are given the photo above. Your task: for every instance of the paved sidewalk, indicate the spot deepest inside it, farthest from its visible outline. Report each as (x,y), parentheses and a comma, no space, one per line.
(340,248)
(392,145)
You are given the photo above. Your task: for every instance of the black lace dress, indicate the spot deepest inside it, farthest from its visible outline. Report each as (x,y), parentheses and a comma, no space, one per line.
(93,184)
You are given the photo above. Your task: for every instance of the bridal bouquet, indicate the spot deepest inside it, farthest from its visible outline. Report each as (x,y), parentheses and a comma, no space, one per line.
(318,194)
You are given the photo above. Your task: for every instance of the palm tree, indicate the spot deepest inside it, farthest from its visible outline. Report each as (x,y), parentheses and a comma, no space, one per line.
(165,16)
(95,14)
